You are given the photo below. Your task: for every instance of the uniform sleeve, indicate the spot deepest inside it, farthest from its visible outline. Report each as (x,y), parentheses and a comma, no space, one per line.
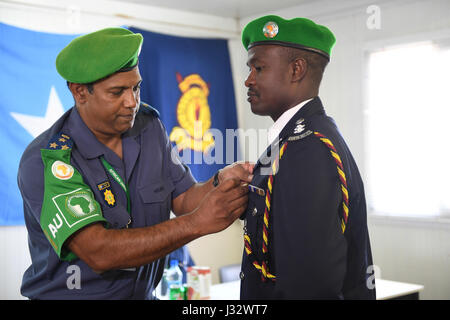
(30,180)
(68,203)
(309,247)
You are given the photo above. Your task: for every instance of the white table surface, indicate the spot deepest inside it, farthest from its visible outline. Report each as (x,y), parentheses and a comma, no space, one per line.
(386,289)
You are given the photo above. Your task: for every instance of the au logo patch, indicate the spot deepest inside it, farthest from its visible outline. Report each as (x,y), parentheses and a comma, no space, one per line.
(80,204)
(62,170)
(75,207)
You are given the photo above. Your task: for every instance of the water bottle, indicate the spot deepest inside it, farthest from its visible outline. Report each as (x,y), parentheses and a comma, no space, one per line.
(174,278)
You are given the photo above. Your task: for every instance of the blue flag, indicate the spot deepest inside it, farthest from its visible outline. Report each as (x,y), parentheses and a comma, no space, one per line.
(33,97)
(189,81)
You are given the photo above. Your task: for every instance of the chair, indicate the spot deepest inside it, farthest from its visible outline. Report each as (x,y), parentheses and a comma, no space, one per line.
(229,273)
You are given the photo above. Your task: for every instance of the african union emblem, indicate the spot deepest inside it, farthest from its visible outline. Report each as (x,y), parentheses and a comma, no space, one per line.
(193,115)
(81,203)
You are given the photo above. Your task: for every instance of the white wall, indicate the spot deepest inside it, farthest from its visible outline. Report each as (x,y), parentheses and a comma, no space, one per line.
(14,260)
(408,250)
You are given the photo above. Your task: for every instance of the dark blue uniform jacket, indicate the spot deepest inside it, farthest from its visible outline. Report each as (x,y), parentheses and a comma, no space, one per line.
(308,252)
(154,177)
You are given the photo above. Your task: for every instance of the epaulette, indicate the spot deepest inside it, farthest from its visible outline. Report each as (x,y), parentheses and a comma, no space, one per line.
(300,131)
(148,109)
(60,141)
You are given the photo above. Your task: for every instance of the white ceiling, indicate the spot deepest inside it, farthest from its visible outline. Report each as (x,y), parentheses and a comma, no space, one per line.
(223,8)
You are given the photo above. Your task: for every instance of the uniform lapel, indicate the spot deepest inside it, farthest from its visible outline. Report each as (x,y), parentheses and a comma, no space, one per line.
(314,107)
(131,150)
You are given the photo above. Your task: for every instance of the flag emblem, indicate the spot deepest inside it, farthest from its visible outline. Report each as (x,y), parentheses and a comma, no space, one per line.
(193,115)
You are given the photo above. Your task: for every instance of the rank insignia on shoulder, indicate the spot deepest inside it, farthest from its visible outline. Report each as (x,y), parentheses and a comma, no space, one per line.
(299,130)
(300,136)
(60,141)
(299,126)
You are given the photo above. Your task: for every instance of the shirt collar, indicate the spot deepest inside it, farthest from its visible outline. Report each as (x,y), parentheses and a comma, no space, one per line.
(86,142)
(277,127)
(90,148)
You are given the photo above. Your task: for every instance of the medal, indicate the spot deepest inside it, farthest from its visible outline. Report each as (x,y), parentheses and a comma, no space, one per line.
(257,190)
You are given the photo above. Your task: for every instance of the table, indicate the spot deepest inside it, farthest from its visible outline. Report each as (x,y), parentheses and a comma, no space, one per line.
(386,290)
(390,290)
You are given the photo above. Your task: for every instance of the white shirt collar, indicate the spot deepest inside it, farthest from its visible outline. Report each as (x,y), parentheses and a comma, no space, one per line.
(275,129)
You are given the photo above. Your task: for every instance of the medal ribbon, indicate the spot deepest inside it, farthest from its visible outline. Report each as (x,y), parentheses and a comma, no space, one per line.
(119,180)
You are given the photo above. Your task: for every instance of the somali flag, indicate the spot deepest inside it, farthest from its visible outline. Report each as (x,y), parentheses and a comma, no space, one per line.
(189,81)
(33,97)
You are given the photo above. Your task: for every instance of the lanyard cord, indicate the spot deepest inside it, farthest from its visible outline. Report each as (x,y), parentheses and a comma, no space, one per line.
(263,266)
(119,180)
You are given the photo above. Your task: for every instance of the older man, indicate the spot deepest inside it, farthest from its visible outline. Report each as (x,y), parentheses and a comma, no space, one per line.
(98,186)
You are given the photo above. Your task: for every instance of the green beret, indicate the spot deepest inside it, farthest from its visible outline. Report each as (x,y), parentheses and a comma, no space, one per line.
(299,33)
(96,55)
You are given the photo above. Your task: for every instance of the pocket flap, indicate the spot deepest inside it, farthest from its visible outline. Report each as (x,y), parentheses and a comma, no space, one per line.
(118,217)
(156,191)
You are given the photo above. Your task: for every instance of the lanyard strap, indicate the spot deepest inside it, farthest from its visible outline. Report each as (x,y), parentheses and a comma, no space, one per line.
(119,180)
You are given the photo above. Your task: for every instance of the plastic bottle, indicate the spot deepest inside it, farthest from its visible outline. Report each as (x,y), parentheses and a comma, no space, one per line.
(174,278)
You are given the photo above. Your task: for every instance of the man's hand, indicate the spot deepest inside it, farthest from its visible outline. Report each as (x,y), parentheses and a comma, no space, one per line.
(238,170)
(190,199)
(221,207)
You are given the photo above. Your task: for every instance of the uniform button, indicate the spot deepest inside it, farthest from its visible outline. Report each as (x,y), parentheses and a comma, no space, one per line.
(255,211)
(241,275)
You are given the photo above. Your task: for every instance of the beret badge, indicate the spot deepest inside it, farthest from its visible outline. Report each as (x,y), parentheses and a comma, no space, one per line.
(270,29)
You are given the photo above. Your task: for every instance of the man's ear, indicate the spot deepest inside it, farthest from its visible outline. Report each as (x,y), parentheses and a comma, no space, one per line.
(299,68)
(79,92)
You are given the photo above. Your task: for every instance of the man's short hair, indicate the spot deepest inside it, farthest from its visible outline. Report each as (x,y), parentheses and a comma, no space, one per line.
(90,85)
(316,62)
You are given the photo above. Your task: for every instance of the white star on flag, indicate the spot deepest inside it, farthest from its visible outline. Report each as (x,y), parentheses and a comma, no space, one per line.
(36,125)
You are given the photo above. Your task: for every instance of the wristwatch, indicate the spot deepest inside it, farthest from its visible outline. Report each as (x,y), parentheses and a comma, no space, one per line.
(216,179)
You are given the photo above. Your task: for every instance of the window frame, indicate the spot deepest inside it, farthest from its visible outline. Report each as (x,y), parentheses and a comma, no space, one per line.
(442,220)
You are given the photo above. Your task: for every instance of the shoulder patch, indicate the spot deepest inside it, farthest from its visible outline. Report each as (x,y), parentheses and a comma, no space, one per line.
(69,203)
(60,141)
(148,109)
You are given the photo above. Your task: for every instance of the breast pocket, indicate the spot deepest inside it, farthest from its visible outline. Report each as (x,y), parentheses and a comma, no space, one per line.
(117,217)
(157,199)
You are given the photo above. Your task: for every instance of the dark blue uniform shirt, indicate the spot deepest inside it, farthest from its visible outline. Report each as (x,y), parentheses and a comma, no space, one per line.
(308,252)
(154,176)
